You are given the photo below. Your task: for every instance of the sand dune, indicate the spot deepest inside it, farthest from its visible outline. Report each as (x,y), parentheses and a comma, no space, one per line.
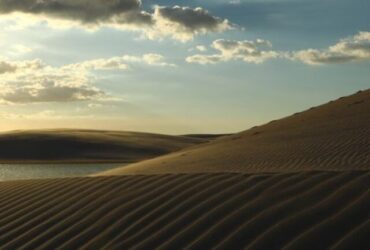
(334,136)
(87,146)
(291,198)
(315,210)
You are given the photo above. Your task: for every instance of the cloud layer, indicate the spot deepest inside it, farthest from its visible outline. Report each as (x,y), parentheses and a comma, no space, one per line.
(352,49)
(181,23)
(34,82)
(227,50)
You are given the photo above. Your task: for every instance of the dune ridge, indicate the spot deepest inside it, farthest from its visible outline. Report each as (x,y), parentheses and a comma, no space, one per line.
(334,136)
(193,211)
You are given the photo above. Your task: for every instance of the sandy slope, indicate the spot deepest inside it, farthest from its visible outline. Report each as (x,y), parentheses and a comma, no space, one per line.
(315,210)
(334,136)
(87,145)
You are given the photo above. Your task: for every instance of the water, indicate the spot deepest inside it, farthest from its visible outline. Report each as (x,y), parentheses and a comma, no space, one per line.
(40,171)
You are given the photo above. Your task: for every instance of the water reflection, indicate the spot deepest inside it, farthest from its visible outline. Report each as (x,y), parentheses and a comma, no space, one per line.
(39,171)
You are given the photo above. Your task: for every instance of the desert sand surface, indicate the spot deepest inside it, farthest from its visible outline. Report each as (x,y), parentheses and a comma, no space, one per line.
(302,182)
(85,146)
(307,210)
(334,136)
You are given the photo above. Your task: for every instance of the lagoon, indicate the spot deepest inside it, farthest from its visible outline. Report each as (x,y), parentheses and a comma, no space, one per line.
(41,171)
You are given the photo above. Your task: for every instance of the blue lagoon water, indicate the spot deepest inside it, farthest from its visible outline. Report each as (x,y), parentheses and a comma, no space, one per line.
(40,171)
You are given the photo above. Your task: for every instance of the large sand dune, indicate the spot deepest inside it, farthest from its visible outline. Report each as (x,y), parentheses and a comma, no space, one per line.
(302,182)
(87,146)
(334,136)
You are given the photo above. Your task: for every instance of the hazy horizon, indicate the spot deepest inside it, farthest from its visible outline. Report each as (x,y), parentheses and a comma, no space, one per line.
(177,68)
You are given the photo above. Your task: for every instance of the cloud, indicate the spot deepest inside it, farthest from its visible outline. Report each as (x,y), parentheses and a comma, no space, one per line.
(352,49)
(12,67)
(49,91)
(120,62)
(181,23)
(85,11)
(205,59)
(7,67)
(248,51)
(149,59)
(201,48)
(114,63)
(35,82)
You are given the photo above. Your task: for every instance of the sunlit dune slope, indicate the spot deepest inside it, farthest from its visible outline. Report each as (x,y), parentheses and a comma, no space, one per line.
(334,136)
(306,210)
(87,146)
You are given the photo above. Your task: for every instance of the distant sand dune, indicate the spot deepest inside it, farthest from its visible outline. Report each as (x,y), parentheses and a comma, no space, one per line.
(334,136)
(73,145)
(312,210)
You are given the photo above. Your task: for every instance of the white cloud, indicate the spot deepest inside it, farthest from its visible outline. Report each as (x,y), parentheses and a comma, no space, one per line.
(201,48)
(114,63)
(33,81)
(352,49)
(149,59)
(248,51)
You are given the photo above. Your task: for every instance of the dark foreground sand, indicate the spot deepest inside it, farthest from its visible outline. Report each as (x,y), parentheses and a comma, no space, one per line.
(311,210)
(299,183)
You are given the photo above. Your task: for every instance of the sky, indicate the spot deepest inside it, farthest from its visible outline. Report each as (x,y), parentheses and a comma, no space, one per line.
(176,67)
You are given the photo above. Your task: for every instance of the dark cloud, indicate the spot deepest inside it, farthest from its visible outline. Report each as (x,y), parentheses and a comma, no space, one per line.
(191,19)
(181,23)
(12,67)
(87,11)
(7,68)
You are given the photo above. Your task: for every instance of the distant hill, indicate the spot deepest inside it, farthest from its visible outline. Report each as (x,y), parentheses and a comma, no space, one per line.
(333,136)
(87,146)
